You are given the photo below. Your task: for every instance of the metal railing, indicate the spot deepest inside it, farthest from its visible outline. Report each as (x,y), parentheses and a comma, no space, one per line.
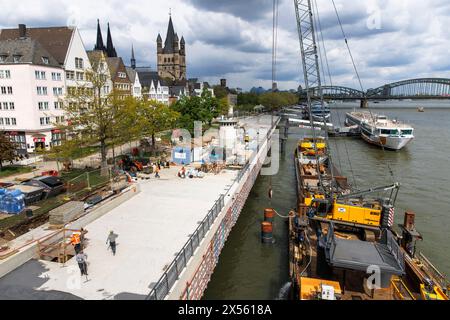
(168,279)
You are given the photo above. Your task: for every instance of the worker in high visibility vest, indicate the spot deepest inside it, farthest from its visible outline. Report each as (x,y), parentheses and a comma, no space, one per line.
(75,240)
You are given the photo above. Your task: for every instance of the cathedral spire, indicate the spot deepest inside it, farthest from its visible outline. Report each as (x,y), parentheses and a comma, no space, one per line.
(99,45)
(133,59)
(110,50)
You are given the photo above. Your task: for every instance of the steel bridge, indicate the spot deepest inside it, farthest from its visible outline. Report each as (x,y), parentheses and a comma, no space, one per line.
(423,88)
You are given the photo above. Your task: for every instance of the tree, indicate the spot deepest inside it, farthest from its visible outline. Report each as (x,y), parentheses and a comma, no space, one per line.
(276,100)
(155,117)
(223,106)
(248,98)
(95,118)
(210,105)
(7,149)
(204,109)
(220,92)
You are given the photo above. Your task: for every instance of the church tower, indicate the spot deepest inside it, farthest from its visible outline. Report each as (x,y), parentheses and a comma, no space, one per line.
(171,57)
(109,50)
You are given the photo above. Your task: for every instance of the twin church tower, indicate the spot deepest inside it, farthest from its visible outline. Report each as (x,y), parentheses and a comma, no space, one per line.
(171,56)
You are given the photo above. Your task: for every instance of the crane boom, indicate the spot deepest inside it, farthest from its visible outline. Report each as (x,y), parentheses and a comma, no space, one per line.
(311,70)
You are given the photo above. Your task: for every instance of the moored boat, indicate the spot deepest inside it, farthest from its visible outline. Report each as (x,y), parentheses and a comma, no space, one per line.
(381,131)
(318,112)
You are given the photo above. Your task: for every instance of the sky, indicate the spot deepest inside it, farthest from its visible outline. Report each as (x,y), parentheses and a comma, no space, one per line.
(390,40)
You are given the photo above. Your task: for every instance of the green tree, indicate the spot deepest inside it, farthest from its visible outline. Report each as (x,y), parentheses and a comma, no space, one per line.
(96,119)
(220,92)
(204,109)
(154,117)
(223,106)
(276,100)
(7,149)
(248,98)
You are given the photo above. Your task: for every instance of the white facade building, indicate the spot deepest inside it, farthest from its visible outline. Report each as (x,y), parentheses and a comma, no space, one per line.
(99,65)
(134,78)
(158,92)
(39,66)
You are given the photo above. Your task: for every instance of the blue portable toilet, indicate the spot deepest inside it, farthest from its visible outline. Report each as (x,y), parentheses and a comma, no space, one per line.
(181,155)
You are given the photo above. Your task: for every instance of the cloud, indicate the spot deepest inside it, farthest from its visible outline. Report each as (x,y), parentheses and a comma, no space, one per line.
(248,10)
(390,39)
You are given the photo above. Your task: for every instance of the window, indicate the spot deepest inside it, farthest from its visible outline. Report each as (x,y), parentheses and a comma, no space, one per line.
(57,91)
(80,76)
(3,58)
(7,121)
(6,90)
(42,91)
(58,105)
(45,60)
(13,121)
(43,105)
(56,76)
(40,75)
(72,91)
(44,121)
(7,106)
(59,119)
(5,74)
(407,132)
(70,75)
(78,63)
(16,58)
(1,122)
(122,75)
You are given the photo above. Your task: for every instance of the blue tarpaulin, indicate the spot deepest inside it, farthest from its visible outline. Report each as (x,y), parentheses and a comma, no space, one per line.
(12,201)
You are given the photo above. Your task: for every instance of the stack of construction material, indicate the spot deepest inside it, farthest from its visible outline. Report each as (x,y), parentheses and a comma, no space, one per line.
(119,183)
(66,213)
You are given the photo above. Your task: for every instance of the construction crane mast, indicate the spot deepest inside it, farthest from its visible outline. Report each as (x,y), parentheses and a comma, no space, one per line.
(311,69)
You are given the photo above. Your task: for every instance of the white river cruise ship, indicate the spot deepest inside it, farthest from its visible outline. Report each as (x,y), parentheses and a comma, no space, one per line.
(381,131)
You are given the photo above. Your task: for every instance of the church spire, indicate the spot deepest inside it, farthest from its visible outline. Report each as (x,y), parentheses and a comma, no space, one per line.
(99,45)
(168,45)
(133,59)
(110,50)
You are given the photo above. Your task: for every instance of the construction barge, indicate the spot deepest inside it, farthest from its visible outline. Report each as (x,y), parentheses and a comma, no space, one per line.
(343,246)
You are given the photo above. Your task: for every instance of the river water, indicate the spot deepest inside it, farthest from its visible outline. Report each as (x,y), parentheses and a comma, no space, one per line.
(250,270)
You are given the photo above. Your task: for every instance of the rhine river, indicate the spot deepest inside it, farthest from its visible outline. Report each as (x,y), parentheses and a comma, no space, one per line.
(250,270)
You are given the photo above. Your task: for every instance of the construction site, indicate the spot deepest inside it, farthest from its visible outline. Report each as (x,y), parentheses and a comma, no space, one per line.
(165,227)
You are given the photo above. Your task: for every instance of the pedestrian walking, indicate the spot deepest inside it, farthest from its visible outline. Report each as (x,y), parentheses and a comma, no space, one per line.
(81,258)
(158,169)
(112,241)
